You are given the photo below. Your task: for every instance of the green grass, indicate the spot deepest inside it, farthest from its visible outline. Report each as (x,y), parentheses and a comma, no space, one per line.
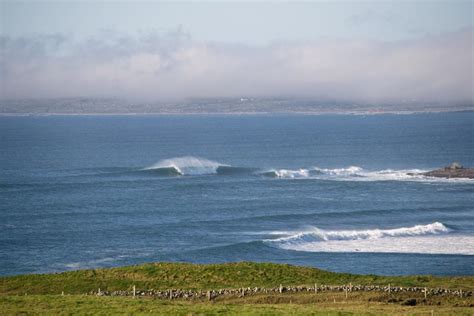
(209,276)
(283,304)
(43,291)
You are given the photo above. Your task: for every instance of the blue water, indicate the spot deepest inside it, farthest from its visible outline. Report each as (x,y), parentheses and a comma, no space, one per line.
(328,191)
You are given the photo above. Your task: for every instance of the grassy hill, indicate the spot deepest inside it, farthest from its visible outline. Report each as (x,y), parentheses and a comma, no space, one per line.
(44,291)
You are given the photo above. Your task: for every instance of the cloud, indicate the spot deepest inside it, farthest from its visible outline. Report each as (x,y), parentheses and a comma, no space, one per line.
(167,66)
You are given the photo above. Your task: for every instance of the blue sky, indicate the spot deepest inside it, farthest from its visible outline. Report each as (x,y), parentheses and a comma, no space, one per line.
(373,51)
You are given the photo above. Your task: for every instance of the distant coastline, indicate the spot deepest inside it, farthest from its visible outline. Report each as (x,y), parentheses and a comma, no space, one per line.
(351,113)
(216,106)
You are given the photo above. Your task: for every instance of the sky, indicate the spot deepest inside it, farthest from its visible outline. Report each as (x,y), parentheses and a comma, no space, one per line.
(372,51)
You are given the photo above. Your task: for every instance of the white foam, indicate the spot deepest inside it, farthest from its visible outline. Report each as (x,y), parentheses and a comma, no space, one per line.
(188,165)
(355,173)
(462,245)
(315,233)
(395,175)
(432,238)
(405,175)
(349,171)
(287,173)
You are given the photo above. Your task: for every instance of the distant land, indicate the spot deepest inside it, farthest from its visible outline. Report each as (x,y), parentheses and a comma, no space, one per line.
(243,105)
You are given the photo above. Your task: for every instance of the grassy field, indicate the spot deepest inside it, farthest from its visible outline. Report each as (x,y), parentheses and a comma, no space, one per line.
(43,291)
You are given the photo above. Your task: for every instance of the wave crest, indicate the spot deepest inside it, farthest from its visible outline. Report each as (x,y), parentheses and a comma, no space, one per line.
(430,239)
(352,173)
(187,165)
(287,173)
(320,235)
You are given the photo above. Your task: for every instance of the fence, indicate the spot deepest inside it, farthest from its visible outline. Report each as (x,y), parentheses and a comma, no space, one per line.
(241,292)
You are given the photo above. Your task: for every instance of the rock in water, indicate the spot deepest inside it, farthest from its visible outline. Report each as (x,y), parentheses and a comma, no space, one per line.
(454,166)
(454,170)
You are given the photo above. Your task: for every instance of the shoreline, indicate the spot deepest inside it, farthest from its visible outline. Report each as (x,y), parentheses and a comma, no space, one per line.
(343,113)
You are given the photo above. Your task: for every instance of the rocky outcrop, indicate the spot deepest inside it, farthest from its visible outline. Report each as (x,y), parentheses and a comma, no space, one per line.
(454,170)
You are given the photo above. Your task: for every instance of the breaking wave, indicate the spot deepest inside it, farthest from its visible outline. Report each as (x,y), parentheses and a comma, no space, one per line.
(286,173)
(185,166)
(189,165)
(345,173)
(316,234)
(355,173)
(315,172)
(195,166)
(430,238)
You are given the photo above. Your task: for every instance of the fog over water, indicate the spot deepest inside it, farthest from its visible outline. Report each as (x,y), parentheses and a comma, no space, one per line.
(171,66)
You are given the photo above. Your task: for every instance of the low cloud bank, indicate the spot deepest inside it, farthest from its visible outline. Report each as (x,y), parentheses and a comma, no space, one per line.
(173,66)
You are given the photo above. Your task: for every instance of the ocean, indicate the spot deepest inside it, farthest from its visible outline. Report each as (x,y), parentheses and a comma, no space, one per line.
(329,191)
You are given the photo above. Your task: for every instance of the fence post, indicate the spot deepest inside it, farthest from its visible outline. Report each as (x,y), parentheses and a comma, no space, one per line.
(281,288)
(208,295)
(134,291)
(315,287)
(389,289)
(426,291)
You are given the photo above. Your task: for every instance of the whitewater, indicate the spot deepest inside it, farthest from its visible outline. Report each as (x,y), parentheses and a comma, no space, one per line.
(198,166)
(187,165)
(423,239)
(337,192)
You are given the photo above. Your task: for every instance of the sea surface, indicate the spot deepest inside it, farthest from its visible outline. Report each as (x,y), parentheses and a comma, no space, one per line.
(328,191)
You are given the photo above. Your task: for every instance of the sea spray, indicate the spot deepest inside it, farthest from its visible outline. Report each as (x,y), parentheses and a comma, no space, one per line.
(187,165)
